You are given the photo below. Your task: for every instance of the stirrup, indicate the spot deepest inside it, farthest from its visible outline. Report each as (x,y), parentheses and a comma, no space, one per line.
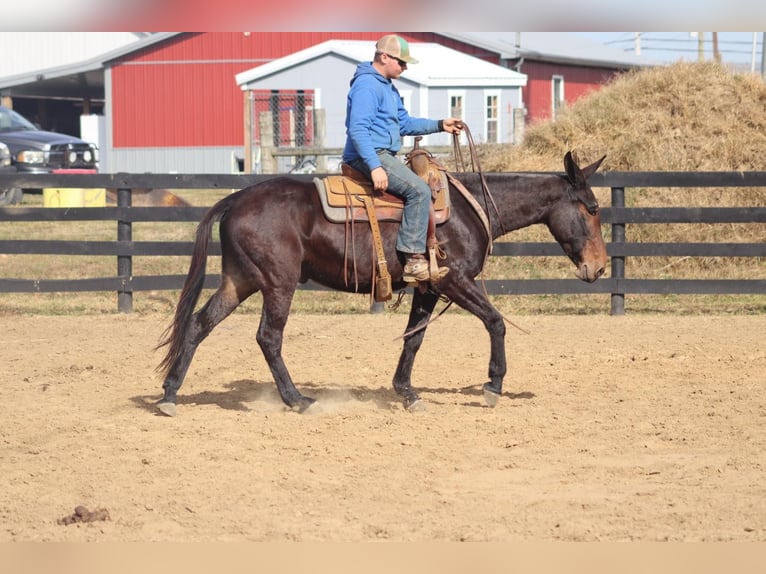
(435,272)
(418,270)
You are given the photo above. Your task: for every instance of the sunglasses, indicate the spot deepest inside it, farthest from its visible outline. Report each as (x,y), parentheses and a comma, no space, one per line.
(401,63)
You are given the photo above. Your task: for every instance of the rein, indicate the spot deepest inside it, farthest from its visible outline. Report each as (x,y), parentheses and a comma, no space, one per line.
(483,216)
(475,166)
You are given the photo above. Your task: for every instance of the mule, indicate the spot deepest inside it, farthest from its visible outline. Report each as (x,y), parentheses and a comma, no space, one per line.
(275,236)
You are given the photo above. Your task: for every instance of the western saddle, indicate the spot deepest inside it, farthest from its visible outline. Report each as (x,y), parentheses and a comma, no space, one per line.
(350,197)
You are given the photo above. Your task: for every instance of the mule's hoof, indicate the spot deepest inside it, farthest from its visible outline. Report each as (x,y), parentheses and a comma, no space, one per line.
(415,406)
(491,397)
(303,405)
(166,408)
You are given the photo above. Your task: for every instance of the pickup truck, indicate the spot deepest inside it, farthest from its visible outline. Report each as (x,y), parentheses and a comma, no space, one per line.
(25,148)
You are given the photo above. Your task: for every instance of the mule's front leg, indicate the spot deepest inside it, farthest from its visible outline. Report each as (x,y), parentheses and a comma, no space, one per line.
(470,297)
(422,306)
(497,363)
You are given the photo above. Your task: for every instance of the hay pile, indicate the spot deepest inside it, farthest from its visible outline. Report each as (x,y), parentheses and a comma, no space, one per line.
(682,117)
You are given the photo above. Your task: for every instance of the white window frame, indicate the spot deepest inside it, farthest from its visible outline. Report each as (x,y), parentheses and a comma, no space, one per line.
(498,127)
(406,99)
(456,94)
(407,141)
(558,100)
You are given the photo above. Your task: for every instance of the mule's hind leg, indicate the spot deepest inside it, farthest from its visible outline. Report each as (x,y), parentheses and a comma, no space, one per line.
(422,306)
(218,307)
(276,308)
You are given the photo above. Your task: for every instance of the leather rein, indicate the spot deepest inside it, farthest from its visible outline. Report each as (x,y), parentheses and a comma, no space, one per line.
(484,216)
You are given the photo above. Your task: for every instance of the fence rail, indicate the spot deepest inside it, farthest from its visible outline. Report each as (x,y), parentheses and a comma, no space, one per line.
(618,215)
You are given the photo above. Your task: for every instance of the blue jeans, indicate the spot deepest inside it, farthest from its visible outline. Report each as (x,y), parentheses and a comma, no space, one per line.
(404,183)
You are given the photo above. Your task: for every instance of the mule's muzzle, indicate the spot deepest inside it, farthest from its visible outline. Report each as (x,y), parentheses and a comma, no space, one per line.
(590,272)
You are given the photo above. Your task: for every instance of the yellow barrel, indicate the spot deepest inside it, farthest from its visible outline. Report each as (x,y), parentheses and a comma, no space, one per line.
(74,197)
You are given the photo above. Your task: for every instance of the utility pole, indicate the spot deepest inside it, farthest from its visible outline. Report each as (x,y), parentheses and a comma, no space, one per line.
(701,46)
(716,53)
(763,57)
(637,43)
(752,58)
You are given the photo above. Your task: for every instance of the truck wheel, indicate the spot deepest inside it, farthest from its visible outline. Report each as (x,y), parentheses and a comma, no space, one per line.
(11,196)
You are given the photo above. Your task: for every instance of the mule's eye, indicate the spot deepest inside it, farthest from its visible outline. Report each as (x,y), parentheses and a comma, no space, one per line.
(590,206)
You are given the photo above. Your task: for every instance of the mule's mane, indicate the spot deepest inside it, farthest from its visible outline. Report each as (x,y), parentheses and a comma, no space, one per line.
(470,177)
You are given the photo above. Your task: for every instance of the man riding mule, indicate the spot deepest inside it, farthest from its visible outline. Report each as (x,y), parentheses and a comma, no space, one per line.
(376,119)
(275,235)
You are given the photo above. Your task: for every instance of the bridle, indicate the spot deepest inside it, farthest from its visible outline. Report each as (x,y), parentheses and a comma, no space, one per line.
(590,206)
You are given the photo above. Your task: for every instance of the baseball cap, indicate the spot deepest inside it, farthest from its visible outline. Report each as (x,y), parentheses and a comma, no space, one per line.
(396,47)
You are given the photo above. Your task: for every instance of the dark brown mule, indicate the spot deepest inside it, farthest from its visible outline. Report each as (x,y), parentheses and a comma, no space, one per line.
(275,236)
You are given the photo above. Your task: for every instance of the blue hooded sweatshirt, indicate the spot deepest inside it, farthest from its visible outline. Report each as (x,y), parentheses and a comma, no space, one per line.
(376,118)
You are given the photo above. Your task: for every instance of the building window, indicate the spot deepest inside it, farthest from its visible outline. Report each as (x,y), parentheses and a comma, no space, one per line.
(456,104)
(492,117)
(557,99)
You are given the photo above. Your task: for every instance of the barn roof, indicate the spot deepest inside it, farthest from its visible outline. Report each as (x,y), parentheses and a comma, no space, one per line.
(76,79)
(23,51)
(554,47)
(438,65)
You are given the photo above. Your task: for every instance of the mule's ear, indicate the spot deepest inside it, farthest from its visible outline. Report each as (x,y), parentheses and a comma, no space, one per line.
(574,174)
(591,169)
(569,164)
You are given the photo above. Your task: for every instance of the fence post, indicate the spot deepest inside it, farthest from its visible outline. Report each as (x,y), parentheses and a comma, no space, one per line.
(518,125)
(124,262)
(266,125)
(320,129)
(618,262)
(249,131)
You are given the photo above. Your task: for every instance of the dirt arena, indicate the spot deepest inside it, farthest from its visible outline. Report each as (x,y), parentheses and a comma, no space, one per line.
(610,428)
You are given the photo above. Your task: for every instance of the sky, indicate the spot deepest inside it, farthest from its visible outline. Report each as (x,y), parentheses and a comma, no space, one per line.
(309,15)
(734,47)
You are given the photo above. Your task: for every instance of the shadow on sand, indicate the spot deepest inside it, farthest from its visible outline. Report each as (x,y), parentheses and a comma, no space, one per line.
(240,395)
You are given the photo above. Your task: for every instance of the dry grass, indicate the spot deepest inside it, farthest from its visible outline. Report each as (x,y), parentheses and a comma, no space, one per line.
(683,117)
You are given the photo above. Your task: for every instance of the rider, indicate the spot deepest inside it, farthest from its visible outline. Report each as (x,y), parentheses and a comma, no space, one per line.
(375,121)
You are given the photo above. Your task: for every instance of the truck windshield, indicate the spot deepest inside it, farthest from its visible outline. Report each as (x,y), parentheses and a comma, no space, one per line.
(11,121)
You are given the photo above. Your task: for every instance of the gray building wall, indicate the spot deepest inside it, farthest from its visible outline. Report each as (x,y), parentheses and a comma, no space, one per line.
(329,76)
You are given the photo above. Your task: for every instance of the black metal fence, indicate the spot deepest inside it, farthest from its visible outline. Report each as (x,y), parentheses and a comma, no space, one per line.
(618,215)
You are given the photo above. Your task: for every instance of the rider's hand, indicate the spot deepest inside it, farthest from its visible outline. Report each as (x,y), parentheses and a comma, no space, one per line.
(379,179)
(452,125)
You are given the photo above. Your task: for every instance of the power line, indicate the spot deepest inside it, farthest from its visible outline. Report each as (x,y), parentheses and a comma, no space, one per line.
(683,43)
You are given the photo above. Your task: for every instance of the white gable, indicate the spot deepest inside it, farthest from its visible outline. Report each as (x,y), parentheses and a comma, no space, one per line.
(438,65)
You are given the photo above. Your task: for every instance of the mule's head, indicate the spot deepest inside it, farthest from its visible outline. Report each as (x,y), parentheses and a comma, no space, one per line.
(576,224)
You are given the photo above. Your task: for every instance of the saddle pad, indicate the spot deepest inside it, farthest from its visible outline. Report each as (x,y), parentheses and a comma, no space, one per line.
(340,198)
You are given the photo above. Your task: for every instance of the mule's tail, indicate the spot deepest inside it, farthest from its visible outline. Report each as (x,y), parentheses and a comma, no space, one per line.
(173,336)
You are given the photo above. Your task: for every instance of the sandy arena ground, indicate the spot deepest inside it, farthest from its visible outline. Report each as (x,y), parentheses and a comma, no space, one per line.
(610,428)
